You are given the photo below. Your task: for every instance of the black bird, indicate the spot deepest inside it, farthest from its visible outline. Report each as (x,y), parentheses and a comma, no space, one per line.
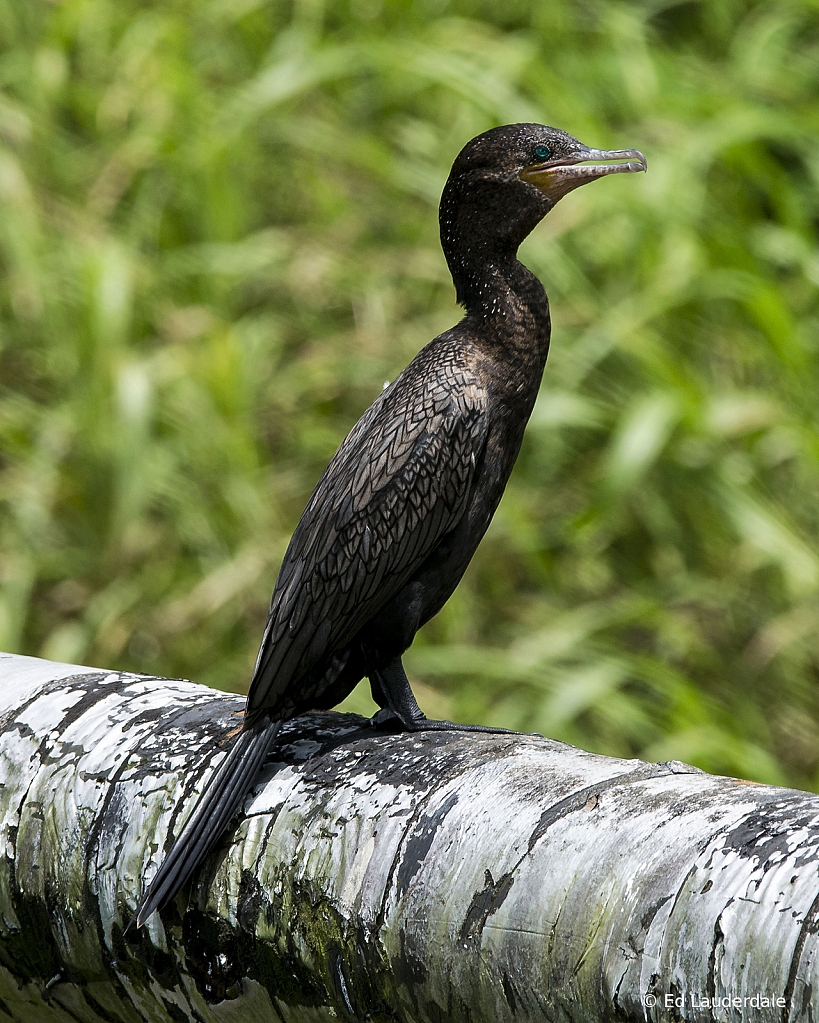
(397,515)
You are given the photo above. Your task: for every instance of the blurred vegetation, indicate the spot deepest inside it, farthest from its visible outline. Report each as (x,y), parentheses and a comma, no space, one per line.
(218,238)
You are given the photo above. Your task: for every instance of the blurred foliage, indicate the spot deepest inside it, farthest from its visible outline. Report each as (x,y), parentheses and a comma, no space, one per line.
(219,237)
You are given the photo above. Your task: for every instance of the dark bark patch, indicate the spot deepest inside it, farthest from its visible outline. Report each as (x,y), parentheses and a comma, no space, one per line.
(94,692)
(421,841)
(30,954)
(211,956)
(411,970)
(647,918)
(145,964)
(484,903)
(252,899)
(175,1013)
(766,834)
(509,993)
(715,956)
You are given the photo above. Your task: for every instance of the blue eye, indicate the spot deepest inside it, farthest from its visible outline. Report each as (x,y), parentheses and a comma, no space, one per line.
(542,153)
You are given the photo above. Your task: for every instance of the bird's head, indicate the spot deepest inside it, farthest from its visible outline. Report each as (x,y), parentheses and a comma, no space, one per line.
(506,180)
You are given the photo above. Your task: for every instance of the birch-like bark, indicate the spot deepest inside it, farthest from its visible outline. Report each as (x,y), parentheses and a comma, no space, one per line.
(426,878)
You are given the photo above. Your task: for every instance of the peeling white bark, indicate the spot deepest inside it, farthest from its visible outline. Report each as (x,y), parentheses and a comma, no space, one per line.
(424,878)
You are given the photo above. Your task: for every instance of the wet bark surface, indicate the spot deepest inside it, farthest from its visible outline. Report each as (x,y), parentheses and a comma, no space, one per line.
(428,877)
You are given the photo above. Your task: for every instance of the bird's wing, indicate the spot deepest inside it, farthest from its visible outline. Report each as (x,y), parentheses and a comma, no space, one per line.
(396,486)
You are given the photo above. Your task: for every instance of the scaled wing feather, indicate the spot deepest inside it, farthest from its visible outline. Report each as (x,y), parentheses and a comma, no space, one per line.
(393,490)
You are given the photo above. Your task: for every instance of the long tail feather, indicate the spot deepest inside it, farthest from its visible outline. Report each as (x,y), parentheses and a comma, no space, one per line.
(210,816)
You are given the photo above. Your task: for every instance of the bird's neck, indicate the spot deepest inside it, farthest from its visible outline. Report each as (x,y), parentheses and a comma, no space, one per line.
(482,224)
(508,302)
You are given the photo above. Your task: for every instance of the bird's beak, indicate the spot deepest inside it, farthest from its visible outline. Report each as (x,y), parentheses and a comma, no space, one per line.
(557,177)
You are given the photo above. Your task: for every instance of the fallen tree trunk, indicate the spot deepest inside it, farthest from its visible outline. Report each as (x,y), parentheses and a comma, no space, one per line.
(433,877)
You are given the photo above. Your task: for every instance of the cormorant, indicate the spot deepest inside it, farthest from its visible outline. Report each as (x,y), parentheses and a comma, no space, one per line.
(396,517)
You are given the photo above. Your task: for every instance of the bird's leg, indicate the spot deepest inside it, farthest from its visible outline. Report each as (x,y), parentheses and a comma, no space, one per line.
(391,689)
(399,709)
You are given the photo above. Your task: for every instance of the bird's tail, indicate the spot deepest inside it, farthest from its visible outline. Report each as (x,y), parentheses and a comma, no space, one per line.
(210,816)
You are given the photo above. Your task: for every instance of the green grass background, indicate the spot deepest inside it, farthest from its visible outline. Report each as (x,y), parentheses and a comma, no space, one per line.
(218,238)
